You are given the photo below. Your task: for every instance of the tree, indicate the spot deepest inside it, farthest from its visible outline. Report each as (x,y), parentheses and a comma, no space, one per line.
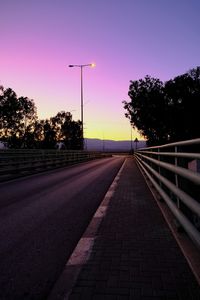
(183,93)
(165,112)
(16,116)
(20,127)
(49,140)
(60,128)
(68,131)
(147,108)
(72,133)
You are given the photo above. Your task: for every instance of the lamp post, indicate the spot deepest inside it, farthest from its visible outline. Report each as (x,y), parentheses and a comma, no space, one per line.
(81,67)
(136,141)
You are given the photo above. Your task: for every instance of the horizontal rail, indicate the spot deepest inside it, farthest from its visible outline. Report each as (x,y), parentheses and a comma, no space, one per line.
(22,162)
(173,154)
(182,143)
(189,228)
(190,175)
(176,181)
(189,201)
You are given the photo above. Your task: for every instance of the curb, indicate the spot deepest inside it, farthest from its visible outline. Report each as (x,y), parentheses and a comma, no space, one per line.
(81,254)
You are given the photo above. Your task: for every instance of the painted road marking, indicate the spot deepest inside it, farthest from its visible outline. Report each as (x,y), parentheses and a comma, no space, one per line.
(83,250)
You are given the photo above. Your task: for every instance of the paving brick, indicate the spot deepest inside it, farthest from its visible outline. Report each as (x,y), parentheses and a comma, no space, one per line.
(85,283)
(135,292)
(113,281)
(123,297)
(75,297)
(104,297)
(118,291)
(135,255)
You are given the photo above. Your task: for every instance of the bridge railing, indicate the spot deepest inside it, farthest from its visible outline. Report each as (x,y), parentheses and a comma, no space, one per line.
(174,171)
(19,162)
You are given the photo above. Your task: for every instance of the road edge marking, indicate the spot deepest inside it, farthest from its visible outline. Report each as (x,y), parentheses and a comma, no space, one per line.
(83,249)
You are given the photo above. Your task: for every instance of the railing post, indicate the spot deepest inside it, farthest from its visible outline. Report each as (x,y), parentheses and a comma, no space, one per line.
(176,176)
(159,167)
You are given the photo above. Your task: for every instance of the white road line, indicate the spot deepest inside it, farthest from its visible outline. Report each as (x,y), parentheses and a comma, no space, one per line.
(83,250)
(85,244)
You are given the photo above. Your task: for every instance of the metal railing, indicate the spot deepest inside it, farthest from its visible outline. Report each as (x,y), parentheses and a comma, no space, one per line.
(174,171)
(20,162)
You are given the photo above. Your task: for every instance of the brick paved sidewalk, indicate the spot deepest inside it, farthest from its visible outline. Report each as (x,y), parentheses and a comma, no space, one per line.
(135,255)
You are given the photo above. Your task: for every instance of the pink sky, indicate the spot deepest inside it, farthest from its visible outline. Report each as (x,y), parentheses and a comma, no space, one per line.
(127,39)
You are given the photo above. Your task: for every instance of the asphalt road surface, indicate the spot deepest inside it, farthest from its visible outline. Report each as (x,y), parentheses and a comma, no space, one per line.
(42,217)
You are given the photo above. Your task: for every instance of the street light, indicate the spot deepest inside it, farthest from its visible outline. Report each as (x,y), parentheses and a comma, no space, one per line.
(136,141)
(81,67)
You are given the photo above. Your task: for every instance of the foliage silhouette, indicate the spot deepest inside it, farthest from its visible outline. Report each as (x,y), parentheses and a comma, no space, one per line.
(17,116)
(165,112)
(20,127)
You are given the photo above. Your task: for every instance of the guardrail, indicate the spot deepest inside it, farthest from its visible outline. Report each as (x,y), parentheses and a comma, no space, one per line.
(20,162)
(174,171)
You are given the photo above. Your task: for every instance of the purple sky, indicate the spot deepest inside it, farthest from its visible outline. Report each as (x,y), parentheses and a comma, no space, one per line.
(127,39)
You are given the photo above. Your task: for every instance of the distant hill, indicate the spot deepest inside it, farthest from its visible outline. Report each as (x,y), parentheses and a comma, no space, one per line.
(104,145)
(109,145)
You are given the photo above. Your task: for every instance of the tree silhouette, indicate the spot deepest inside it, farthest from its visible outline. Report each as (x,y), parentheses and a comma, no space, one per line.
(68,131)
(147,108)
(20,127)
(183,93)
(16,114)
(165,112)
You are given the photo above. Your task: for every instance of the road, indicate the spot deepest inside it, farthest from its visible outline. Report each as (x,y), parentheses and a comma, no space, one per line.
(42,217)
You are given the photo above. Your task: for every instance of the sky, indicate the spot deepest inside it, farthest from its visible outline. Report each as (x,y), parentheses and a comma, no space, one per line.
(126,39)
